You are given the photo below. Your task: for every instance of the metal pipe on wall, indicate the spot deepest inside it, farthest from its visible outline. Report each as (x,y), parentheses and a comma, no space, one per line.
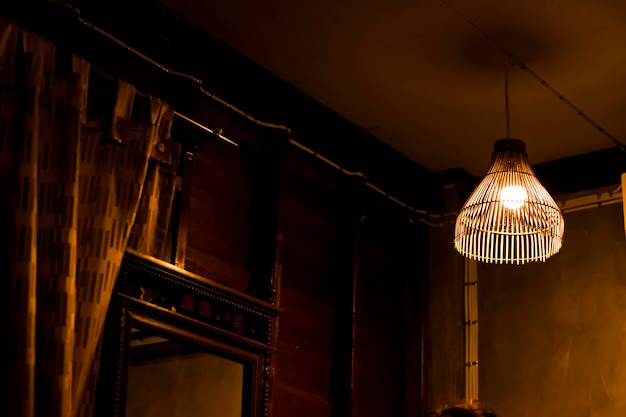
(470,284)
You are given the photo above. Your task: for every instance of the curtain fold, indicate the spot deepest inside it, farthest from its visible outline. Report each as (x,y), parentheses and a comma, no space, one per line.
(150,229)
(70,195)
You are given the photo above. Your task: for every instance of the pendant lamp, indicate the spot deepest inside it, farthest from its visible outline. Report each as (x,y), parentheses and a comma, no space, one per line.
(510,217)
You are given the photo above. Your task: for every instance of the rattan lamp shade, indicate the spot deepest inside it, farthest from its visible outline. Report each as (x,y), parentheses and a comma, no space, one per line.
(510,217)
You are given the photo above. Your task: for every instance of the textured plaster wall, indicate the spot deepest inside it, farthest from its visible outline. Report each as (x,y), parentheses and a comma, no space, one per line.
(552,336)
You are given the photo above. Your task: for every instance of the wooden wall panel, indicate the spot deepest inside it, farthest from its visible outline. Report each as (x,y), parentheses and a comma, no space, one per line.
(219,228)
(309,224)
(380,341)
(304,368)
(379,386)
(306,322)
(327,250)
(293,402)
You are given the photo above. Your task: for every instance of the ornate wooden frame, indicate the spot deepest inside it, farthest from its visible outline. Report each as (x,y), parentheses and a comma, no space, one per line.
(185,306)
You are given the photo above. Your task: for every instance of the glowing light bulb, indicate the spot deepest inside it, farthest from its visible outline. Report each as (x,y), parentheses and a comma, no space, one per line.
(513,197)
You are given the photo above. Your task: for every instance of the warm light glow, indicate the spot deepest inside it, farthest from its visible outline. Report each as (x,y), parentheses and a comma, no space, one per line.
(509,217)
(513,197)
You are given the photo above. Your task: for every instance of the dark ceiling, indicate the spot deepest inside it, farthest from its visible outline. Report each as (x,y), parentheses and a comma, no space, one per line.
(427,77)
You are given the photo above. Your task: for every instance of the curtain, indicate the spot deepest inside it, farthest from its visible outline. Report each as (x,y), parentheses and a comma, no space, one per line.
(71,188)
(149,234)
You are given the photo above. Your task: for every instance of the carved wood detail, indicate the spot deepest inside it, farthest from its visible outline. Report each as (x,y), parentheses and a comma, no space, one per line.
(176,299)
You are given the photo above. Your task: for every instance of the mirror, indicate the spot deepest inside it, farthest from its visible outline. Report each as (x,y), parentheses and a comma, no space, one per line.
(168,378)
(176,344)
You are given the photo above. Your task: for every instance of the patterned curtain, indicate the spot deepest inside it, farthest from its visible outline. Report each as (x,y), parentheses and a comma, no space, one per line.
(149,234)
(71,187)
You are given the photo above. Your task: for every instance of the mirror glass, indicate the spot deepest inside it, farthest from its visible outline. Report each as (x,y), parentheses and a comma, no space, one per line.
(171,378)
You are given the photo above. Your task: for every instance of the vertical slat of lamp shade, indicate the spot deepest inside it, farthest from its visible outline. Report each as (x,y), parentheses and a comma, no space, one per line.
(510,217)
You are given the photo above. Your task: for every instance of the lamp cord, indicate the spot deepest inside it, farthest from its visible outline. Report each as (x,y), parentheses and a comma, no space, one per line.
(541,81)
(506,94)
